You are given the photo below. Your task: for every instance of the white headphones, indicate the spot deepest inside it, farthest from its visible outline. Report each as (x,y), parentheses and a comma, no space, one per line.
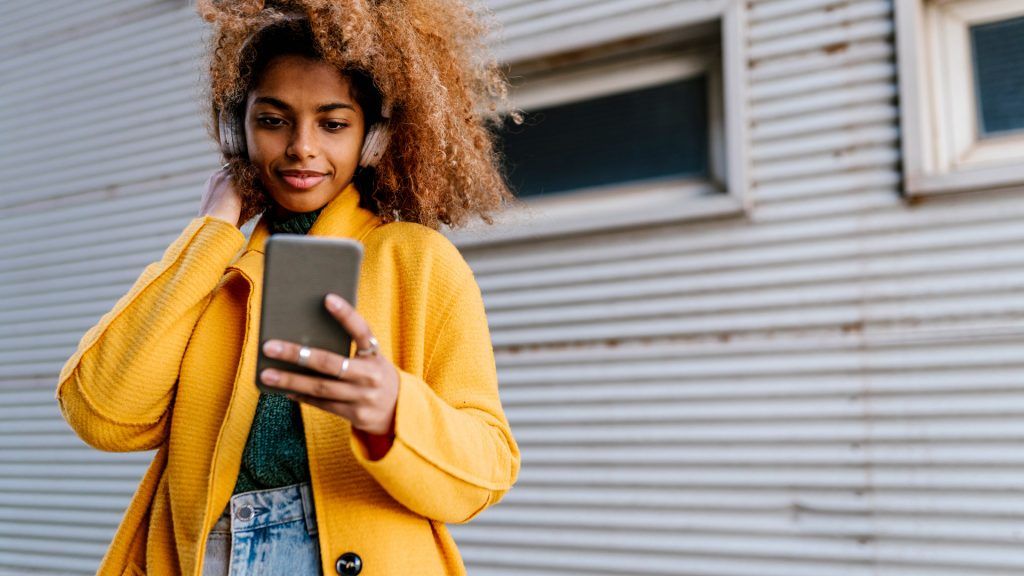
(377,139)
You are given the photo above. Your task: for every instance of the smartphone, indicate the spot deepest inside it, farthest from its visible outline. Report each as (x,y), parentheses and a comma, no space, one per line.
(299,272)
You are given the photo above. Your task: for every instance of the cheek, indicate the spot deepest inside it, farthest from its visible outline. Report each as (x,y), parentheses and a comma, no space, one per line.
(259,154)
(262,145)
(261,169)
(352,147)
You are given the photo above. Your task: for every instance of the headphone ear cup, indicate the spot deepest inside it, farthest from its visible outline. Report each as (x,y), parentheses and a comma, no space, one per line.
(232,134)
(375,143)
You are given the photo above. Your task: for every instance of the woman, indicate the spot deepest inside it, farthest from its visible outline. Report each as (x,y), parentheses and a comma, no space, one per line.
(357,471)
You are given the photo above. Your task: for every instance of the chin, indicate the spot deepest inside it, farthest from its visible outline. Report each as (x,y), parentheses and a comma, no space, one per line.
(299,200)
(301,204)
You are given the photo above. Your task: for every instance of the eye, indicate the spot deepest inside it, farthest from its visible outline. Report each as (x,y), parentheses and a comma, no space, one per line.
(270,121)
(334,126)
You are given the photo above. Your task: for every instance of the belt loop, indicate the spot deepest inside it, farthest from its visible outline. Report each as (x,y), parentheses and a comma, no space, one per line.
(308,511)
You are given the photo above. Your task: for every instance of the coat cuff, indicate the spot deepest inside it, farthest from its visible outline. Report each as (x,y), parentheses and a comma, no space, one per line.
(418,471)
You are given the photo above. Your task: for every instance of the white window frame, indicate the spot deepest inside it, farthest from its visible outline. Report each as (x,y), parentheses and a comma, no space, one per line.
(624,76)
(942,152)
(639,203)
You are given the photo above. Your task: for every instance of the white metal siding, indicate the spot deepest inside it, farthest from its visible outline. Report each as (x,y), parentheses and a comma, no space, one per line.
(533,28)
(831,387)
(102,157)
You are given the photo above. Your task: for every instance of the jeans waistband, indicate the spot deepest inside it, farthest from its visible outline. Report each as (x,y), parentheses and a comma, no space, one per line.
(261,508)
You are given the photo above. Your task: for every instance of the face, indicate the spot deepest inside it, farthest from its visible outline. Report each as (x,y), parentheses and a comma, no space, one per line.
(304,132)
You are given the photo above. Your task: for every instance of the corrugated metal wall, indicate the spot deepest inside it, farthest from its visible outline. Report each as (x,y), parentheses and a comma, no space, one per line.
(833,387)
(534,28)
(102,156)
(830,387)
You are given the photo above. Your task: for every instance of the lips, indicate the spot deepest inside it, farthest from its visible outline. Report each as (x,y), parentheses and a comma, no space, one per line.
(302,179)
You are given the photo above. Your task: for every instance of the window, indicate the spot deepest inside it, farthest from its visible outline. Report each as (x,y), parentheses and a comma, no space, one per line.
(637,131)
(962,92)
(635,120)
(998,50)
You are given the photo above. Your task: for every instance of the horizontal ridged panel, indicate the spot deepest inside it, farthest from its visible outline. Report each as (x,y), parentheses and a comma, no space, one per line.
(117,105)
(39,23)
(114,98)
(830,387)
(531,29)
(56,495)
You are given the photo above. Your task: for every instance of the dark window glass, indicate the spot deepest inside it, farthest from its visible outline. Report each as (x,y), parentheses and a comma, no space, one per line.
(656,132)
(999,73)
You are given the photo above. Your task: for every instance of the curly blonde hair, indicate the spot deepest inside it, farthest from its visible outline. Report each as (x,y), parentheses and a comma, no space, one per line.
(427,59)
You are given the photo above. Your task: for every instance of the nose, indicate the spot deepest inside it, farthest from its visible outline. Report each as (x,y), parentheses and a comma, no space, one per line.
(303,142)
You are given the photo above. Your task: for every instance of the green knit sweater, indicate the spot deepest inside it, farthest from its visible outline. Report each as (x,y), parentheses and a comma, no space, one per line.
(275,453)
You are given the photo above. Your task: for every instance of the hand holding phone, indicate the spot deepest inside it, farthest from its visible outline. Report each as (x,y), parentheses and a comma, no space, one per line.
(299,271)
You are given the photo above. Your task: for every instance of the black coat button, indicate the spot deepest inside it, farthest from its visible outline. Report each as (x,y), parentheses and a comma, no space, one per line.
(349,564)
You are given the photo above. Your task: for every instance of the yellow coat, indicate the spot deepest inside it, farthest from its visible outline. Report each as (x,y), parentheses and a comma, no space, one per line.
(172,367)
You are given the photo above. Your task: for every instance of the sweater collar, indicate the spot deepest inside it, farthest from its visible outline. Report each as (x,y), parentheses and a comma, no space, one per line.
(341,217)
(293,222)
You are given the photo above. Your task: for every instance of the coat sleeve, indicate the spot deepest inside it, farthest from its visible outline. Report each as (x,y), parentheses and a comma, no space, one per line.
(453,454)
(116,390)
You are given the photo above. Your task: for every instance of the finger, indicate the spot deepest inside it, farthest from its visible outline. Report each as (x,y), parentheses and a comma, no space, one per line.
(320,360)
(354,413)
(353,322)
(343,409)
(323,388)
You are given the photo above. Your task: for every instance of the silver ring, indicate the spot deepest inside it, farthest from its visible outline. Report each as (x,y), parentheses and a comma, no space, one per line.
(371,351)
(344,368)
(304,354)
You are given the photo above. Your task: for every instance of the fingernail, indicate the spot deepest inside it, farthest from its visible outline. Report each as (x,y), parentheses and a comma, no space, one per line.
(333,301)
(271,376)
(272,348)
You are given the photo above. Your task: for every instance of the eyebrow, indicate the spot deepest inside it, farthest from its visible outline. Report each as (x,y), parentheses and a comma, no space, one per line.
(321,108)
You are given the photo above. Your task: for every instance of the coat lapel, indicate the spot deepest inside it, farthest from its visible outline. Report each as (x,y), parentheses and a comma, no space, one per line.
(342,217)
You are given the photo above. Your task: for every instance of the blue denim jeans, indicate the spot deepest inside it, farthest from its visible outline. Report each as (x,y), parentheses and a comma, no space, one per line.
(265,533)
